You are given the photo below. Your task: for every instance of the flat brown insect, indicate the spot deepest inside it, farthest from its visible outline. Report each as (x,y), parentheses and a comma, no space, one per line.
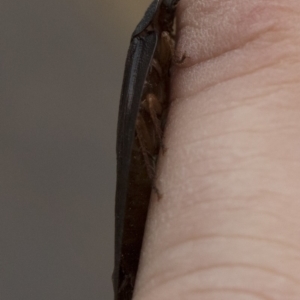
(142,113)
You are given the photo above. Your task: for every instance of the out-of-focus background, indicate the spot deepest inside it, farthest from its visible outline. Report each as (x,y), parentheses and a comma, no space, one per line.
(60,77)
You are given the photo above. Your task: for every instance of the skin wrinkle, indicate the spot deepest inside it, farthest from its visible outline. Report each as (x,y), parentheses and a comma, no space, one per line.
(231,209)
(191,146)
(205,13)
(221,53)
(258,131)
(262,100)
(210,291)
(259,104)
(210,7)
(216,137)
(235,291)
(222,171)
(226,208)
(207,87)
(247,199)
(257,100)
(245,22)
(231,266)
(209,174)
(261,154)
(278,59)
(166,250)
(282,202)
(239,237)
(213,201)
(237,159)
(242,154)
(234,158)
(231,291)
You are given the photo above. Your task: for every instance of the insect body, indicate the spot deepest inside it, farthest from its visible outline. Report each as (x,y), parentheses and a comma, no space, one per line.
(142,112)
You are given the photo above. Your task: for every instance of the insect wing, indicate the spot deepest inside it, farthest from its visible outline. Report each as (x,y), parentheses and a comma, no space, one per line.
(148,17)
(138,62)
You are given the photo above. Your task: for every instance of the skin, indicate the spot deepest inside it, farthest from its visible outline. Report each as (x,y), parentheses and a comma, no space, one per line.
(228,226)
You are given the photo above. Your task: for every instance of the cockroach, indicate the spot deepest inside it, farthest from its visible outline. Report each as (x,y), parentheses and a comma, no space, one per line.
(142,113)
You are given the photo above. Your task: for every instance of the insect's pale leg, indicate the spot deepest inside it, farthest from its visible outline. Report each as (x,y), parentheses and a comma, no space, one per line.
(155,109)
(144,140)
(142,132)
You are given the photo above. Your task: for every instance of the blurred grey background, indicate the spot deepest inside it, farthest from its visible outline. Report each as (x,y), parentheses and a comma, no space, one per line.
(60,77)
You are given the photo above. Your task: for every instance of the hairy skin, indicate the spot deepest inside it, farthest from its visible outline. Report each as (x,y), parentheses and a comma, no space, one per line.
(228,224)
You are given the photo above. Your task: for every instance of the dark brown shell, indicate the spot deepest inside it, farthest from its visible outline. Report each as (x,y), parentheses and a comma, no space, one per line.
(134,184)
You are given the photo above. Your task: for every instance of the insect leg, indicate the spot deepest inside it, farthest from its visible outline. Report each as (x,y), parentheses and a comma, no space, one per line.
(150,160)
(167,46)
(155,64)
(154,108)
(145,142)
(179,60)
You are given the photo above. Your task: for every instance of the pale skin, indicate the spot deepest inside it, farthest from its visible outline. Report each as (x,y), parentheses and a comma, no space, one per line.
(228,224)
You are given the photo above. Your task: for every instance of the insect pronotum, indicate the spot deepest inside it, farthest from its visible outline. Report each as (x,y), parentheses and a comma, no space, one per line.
(142,114)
